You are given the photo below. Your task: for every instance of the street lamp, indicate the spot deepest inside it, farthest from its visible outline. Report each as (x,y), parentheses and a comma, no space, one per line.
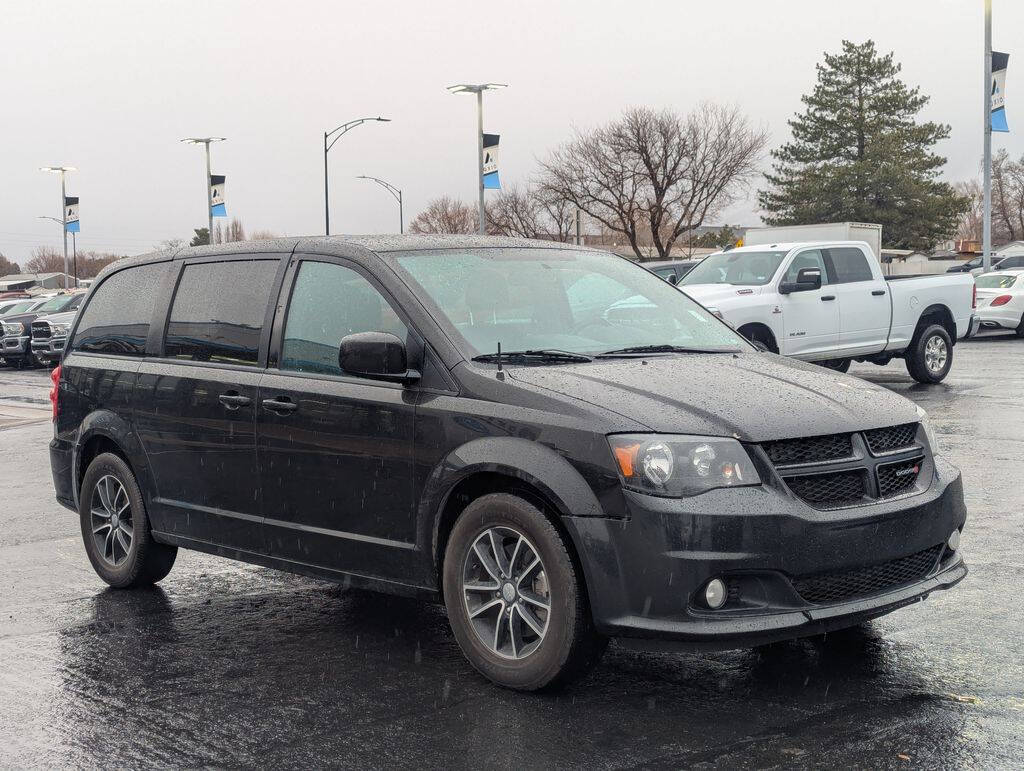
(74,245)
(205,141)
(478,89)
(343,129)
(62,170)
(397,193)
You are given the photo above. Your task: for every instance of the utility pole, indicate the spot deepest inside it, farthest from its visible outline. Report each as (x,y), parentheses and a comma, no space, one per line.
(74,252)
(62,170)
(478,89)
(986,227)
(205,141)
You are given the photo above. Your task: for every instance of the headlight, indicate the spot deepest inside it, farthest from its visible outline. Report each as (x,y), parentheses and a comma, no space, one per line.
(59,330)
(13,328)
(677,466)
(929,432)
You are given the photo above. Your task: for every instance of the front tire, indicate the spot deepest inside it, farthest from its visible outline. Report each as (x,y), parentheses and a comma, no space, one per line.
(115,528)
(838,365)
(515,600)
(930,355)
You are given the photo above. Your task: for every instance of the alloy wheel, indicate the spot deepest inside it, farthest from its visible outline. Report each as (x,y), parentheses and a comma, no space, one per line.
(111,520)
(506,592)
(935,354)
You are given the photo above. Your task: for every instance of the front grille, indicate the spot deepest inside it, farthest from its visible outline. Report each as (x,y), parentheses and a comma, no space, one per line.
(40,330)
(828,491)
(826,588)
(897,478)
(813,449)
(882,440)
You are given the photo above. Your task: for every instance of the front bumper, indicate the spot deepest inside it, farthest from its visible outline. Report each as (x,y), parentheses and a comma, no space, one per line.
(644,575)
(15,348)
(49,349)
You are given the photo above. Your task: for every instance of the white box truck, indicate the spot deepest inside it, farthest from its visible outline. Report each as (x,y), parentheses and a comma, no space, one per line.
(827,231)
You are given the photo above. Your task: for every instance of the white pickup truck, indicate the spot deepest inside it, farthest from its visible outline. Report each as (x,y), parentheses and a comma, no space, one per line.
(828,302)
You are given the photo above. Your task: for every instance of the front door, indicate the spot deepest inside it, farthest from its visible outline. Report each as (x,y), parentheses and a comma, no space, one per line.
(810,320)
(336,451)
(196,405)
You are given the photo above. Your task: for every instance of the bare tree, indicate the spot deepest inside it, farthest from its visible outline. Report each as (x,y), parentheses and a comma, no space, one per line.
(263,235)
(445,215)
(657,175)
(529,212)
(969,224)
(48,260)
(8,268)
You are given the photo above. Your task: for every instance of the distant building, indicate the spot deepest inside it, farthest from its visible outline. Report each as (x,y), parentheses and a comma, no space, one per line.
(1012,249)
(22,281)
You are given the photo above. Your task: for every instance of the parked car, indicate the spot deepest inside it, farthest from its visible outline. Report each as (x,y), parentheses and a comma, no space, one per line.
(50,335)
(21,306)
(1001,300)
(671,270)
(16,343)
(556,443)
(828,302)
(975,265)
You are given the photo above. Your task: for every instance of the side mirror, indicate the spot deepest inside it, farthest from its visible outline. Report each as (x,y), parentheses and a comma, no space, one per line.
(377,356)
(807,280)
(673,279)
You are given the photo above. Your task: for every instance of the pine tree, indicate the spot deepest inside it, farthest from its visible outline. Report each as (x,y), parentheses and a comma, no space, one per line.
(858,154)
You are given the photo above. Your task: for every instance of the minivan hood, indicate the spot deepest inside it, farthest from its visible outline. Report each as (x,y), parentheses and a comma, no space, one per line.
(752,396)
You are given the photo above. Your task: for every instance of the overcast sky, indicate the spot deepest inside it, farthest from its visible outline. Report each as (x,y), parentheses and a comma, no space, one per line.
(111,87)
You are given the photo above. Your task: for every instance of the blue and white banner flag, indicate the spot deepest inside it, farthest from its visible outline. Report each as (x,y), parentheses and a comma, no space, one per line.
(71,214)
(217,196)
(491,162)
(999,61)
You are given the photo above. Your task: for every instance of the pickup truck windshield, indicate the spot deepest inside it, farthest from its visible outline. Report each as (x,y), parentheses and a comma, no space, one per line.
(558,300)
(738,268)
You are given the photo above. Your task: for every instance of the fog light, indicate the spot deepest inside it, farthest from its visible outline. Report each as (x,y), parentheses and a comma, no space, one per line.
(715,593)
(954,540)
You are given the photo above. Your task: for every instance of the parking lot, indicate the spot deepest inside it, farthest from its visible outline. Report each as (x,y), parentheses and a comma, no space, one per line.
(233,665)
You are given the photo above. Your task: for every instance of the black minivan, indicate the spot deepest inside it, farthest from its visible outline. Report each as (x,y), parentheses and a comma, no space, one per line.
(552,440)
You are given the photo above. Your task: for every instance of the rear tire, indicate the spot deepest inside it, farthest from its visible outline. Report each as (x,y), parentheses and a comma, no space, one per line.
(489,590)
(930,355)
(115,528)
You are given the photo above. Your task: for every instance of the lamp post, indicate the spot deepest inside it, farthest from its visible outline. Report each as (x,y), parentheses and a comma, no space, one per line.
(478,89)
(74,244)
(396,192)
(62,170)
(343,129)
(205,141)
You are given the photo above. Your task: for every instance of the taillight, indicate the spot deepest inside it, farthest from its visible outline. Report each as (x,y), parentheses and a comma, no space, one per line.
(55,391)
(1002,299)
(974,297)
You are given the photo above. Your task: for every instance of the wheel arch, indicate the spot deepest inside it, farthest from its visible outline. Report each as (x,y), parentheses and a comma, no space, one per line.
(759,326)
(937,313)
(105,431)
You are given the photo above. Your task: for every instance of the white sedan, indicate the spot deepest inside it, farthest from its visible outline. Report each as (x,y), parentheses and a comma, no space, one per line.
(1001,300)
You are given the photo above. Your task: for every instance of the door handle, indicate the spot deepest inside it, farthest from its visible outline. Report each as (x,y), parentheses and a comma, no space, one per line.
(826,297)
(282,404)
(878,292)
(233,400)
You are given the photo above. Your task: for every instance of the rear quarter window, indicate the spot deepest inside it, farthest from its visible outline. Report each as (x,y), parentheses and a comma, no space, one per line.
(116,318)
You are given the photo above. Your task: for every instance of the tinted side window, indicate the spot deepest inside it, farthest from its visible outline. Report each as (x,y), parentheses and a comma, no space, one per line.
(329,302)
(116,320)
(849,265)
(218,311)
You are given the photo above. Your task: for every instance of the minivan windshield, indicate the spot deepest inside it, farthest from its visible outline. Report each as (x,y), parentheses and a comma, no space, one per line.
(558,300)
(737,268)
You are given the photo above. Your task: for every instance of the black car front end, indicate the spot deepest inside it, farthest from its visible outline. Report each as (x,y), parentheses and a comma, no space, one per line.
(841,529)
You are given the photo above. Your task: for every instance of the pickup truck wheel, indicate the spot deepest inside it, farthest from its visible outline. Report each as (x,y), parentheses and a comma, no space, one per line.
(930,355)
(839,365)
(515,600)
(115,527)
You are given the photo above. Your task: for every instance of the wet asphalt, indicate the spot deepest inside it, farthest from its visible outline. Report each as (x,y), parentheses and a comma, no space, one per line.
(230,665)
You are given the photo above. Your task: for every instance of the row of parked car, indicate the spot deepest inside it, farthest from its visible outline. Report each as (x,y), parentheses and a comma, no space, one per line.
(34,330)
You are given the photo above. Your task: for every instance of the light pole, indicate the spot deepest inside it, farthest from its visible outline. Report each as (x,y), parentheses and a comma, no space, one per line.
(343,129)
(205,141)
(986,205)
(396,192)
(478,89)
(62,170)
(74,244)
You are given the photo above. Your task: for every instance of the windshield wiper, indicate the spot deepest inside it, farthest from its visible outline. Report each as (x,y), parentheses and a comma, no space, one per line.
(663,349)
(543,354)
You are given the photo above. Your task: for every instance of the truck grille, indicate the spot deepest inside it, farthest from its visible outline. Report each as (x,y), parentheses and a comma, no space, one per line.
(826,588)
(40,330)
(888,439)
(839,470)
